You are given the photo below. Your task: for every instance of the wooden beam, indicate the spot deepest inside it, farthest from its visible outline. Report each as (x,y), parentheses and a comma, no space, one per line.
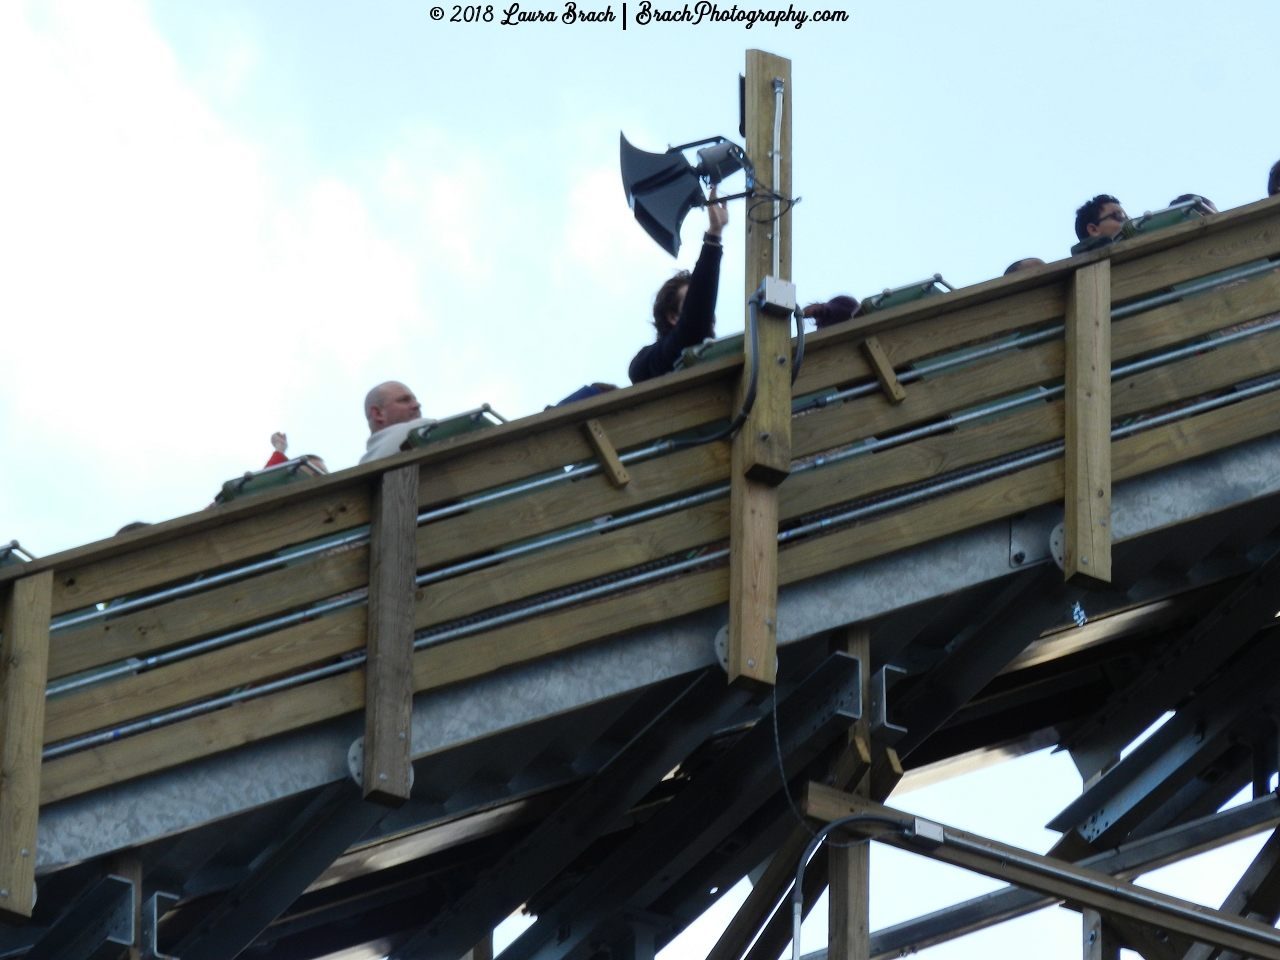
(1087,555)
(24,657)
(762,448)
(766,437)
(1100,940)
(849,867)
(388,695)
(613,469)
(884,371)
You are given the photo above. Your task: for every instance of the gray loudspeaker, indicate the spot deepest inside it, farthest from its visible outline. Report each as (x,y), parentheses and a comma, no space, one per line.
(661,189)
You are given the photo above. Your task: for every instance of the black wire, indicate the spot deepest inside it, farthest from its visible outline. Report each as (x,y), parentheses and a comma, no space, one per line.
(749,400)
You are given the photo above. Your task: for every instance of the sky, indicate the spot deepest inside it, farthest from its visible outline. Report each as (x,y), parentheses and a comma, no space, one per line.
(220,220)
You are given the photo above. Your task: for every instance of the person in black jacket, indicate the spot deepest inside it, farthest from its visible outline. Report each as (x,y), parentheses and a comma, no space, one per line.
(684,311)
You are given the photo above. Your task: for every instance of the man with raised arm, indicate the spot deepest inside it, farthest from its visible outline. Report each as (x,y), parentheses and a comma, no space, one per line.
(392,411)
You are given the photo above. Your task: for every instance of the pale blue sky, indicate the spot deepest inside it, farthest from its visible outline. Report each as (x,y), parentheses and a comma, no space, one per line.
(223,219)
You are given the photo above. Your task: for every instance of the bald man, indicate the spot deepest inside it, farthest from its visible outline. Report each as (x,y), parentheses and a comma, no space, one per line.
(392,411)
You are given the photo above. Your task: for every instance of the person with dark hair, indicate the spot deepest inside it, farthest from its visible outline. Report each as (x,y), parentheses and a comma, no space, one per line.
(1205,201)
(1100,217)
(1273,181)
(684,310)
(836,310)
(1026,263)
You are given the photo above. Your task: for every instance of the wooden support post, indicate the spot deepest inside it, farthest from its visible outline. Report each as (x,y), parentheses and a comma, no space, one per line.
(24,664)
(1087,554)
(884,371)
(1100,941)
(848,919)
(389,669)
(762,449)
(606,453)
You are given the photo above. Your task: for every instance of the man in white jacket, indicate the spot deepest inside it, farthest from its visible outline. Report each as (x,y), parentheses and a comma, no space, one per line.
(392,411)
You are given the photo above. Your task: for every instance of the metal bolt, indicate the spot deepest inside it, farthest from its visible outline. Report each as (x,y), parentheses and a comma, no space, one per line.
(1084,561)
(1102,522)
(768,623)
(1019,557)
(1093,937)
(782,361)
(751,663)
(26,853)
(4,893)
(400,735)
(382,776)
(764,434)
(768,236)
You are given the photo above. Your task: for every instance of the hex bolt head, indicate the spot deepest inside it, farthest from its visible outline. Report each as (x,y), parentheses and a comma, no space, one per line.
(26,853)
(1084,561)
(782,361)
(1019,557)
(751,663)
(764,434)
(4,893)
(382,776)
(400,735)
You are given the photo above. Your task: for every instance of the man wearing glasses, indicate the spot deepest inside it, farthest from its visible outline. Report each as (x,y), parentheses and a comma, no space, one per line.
(1098,222)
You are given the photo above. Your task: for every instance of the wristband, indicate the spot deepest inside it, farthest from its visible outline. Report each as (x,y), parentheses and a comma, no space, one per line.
(711,238)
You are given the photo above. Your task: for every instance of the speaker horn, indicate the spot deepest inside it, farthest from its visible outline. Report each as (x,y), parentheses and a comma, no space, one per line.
(661,189)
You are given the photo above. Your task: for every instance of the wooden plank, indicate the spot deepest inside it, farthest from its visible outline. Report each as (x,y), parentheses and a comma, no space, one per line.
(201,736)
(473,534)
(1087,553)
(753,582)
(253,661)
(613,469)
(1207,372)
(885,374)
(1198,256)
(849,866)
(204,614)
(168,561)
(388,696)
(766,435)
(1184,320)
(762,448)
(475,656)
(24,653)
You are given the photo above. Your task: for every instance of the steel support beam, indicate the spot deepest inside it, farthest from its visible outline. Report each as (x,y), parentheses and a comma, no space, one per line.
(334,820)
(1089,888)
(703,814)
(1125,862)
(1198,734)
(1033,601)
(696,712)
(98,926)
(1256,895)
(1214,639)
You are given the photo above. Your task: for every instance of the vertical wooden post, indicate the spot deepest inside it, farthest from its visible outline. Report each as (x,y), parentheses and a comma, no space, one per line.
(24,669)
(848,920)
(389,670)
(1087,554)
(1100,942)
(762,449)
